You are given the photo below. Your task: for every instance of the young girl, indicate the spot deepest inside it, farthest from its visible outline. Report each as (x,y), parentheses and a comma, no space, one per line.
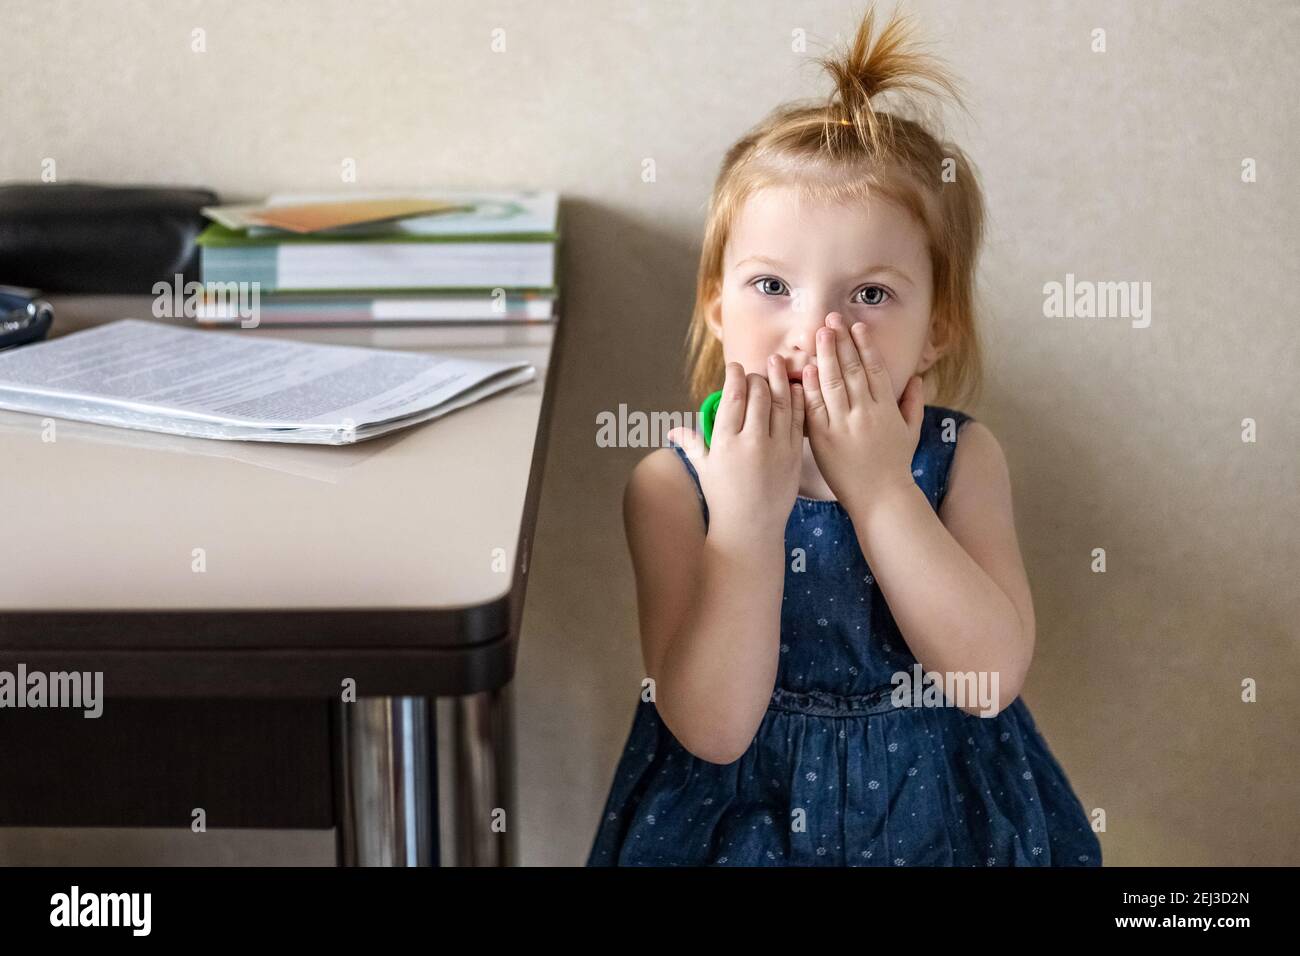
(835,540)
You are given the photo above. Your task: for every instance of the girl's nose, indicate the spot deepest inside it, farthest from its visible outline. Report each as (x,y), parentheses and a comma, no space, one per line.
(807,321)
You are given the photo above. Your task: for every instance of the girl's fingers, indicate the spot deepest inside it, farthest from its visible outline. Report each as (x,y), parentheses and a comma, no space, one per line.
(796,413)
(758,411)
(846,350)
(878,380)
(814,406)
(830,381)
(731,410)
(778,381)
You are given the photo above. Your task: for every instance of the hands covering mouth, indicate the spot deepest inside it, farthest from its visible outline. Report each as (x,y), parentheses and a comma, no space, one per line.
(795,377)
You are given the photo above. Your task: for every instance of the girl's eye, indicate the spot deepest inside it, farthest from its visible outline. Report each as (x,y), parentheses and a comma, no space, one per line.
(765,285)
(874,295)
(870,295)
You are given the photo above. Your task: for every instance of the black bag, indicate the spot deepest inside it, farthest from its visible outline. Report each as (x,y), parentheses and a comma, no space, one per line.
(92,238)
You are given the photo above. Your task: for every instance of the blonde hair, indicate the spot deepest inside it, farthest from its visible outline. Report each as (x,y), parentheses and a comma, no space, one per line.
(843,150)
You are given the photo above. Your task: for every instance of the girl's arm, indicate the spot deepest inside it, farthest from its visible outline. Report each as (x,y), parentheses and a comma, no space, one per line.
(709,609)
(955,581)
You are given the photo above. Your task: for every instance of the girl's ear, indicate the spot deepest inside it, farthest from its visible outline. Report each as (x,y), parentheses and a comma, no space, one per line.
(713,313)
(932,351)
(929,355)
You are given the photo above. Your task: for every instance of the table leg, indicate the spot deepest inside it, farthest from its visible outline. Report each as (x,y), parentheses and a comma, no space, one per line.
(476,799)
(385,796)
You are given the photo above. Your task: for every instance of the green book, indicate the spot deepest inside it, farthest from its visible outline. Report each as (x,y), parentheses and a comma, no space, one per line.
(505,240)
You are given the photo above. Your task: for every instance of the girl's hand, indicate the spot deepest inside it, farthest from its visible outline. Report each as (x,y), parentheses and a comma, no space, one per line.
(862,439)
(750,474)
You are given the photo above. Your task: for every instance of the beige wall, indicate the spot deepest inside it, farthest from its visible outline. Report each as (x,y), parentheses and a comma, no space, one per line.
(1116,166)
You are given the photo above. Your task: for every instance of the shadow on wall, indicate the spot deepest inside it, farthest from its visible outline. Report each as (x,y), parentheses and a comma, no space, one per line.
(629,289)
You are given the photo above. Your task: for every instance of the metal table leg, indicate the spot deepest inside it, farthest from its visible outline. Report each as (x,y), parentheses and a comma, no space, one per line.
(384,788)
(476,786)
(406,764)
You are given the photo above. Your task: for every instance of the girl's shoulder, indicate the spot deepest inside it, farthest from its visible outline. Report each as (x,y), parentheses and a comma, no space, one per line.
(976,474)
(663,487)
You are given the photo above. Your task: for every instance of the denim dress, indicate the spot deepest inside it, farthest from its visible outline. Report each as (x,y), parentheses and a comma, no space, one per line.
(837,774)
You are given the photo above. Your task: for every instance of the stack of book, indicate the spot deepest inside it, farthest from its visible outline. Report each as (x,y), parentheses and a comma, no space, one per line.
(450,257)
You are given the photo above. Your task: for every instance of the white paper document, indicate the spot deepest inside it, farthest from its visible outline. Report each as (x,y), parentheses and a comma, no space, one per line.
(138,374)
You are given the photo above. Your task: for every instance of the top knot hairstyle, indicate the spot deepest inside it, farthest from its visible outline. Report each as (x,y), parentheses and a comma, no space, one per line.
(846,149)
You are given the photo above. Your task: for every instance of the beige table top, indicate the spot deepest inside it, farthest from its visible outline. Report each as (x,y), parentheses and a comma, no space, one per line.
(103,519)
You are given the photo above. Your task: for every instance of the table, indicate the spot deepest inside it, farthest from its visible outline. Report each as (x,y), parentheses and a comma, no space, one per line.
(200,570)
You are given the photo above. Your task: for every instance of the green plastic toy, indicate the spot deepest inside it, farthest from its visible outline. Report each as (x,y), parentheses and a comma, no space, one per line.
(709,412)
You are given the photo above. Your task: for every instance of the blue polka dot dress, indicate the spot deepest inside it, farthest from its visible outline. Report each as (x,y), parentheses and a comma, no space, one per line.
(837,775)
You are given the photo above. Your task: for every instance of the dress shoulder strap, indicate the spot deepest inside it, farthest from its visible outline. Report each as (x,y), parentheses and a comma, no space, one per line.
(932,462)
(699,490)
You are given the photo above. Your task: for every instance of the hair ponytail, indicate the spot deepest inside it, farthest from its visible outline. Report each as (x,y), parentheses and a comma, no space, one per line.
(872,65)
